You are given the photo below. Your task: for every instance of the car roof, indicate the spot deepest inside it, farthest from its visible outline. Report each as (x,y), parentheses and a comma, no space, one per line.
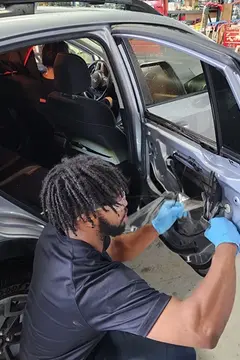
(46,19)
(51,17)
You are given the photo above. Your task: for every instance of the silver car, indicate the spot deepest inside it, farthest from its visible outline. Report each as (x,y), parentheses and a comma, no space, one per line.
(172,126)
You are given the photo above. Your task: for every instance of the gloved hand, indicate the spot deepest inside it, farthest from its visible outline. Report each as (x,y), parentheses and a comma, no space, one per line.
(169,212)
(222,231)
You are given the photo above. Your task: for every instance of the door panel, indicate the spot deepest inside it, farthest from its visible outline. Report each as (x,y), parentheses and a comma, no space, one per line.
(196,106)
(201,161)
(186,237)
(184,92)
(193,247)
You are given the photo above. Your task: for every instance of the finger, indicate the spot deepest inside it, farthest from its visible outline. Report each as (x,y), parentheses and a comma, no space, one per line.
(169,203)
(208,233)
(180,209)
(182,213)
(178,204)
(177,213)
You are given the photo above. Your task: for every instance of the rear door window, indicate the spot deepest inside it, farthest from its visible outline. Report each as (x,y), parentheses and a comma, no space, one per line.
(175,87)
(228,111)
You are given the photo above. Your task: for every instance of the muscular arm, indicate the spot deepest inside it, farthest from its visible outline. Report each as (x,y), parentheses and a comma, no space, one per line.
(127,246)
(200,320)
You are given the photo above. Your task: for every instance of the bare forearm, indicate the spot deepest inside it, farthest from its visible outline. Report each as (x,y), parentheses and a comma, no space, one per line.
(199,320)
(128,246)
(214,298)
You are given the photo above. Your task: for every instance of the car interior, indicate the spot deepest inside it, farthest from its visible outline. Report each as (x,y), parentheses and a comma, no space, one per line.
(37,131)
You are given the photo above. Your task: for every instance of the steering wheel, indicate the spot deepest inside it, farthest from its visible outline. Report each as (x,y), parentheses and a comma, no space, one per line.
(100,80)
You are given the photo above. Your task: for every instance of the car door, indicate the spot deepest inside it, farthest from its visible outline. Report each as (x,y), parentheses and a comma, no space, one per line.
(189,102)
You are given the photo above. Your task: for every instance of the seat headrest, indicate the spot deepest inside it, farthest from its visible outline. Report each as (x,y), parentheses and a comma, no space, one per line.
(71,74)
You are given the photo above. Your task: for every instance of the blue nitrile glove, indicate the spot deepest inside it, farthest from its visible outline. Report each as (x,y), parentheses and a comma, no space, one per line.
(222,231)
(169,212)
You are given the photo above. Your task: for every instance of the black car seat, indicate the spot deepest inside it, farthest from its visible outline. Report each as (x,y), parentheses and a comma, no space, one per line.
(20,178)
(21,93)
(22,82)
(88,125)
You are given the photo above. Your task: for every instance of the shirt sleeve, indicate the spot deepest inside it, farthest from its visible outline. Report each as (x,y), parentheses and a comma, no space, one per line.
(118,299)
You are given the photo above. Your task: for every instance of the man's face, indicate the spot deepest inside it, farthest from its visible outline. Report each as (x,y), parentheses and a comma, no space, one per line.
(110,222)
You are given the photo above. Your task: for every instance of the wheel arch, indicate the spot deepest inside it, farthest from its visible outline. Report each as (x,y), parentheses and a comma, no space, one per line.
(13,248)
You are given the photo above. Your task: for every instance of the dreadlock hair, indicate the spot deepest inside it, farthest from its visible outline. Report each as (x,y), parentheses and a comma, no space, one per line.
(79,186)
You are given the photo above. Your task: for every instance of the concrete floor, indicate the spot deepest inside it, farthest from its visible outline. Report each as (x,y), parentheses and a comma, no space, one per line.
(166,271)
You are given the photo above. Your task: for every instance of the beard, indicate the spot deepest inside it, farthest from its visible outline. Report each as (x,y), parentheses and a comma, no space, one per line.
(107,229)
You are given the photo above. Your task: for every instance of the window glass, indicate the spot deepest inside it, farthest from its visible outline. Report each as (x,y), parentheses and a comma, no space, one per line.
(92,44)
(229,114)
(169,73)
(86,56)
(176,86)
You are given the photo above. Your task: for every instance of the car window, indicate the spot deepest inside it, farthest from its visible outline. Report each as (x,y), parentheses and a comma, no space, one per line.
(228,111)
(174,86)
(86,56)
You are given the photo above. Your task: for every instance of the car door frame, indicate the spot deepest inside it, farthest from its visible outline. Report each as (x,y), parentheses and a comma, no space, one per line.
(103,35)
(209,53)
(198,50)
(130,91)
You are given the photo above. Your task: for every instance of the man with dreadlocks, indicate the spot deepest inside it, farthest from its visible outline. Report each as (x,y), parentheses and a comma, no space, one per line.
(84,303)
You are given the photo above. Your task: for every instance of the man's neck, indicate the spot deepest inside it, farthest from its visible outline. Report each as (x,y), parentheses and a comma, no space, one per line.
(90,236)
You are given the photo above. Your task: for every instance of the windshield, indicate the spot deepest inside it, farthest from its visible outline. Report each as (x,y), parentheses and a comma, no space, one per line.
(92,44)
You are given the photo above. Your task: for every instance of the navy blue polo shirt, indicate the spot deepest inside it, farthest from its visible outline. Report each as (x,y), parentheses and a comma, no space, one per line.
(77,295)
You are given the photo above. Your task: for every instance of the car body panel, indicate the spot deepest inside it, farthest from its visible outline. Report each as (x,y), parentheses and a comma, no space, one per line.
(39,22)
(162,142)
(18,223)
(152,142)
(166,143)
(192,41)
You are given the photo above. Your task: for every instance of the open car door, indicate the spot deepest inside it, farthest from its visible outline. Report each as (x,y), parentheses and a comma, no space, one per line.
(190,126)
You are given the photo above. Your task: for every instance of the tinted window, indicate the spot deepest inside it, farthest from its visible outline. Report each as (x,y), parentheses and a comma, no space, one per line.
(228,110)
(86,56)
(176,85)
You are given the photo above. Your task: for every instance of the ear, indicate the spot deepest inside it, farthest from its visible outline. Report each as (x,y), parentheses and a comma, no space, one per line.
(83,221)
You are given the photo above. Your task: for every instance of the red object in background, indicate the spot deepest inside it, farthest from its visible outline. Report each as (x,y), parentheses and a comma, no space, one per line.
(145,48)
(182,17)
(27,55)
(231,36)
(160,5)
(214,5)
